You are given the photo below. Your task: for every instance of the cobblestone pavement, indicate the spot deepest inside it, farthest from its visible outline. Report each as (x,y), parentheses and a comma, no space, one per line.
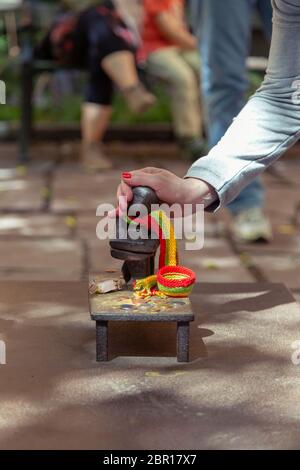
(241,388)
(48,223)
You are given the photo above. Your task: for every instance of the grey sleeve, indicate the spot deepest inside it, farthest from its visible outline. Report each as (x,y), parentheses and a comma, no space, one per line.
(269,123)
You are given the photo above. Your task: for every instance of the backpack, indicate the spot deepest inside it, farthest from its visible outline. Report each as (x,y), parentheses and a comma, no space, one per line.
(62,38)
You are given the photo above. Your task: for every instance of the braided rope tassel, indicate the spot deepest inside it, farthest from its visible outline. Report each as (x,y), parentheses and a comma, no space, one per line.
(171,280)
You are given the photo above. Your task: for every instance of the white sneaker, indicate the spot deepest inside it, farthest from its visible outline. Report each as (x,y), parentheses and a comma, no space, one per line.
(251,226)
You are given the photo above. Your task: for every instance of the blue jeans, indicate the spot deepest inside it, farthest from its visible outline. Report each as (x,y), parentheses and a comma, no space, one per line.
(224,31)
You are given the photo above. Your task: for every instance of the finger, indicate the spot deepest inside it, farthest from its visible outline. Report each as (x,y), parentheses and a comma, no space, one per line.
(151,170)
(119,191)
(125,195)
(142,178)
(113,214)
(122,201)
(148,169)
(126,191)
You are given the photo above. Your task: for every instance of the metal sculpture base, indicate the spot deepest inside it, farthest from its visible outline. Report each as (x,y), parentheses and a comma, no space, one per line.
(124,306)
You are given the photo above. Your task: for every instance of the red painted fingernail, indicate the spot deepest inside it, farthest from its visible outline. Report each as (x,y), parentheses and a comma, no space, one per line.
(126,175)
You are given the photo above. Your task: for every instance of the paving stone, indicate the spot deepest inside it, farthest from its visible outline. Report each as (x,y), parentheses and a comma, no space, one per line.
(281,243)
(86,226)
(293,153)
(23,172)
(241,390)
(8,155)
(138,154)
(12,173)
(129,156)
(209,224)
(283,174)
(11,169)
(214,225)
(35,225)
(278,267)
(41,259)
(281,202)
(49,151)
(217,269)
(20,194)
(290,169)
(296,294)
(83,193)
(74,191)
(99,257)
(216,262)
(277,177)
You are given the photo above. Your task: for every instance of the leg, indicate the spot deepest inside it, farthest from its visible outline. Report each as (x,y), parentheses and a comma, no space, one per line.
(183,340)
(270,122)
(102,341)
(168,65)
(193,60)
(251,197)
(266,13)
(224,42)
(137,97)
(195,147)
(95,117)
(94,122)
(117,61)
(225,35)
(121,60)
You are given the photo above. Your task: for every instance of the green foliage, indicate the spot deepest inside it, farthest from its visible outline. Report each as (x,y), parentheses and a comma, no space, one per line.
(160,112)
(69,111)
(68,108)
(255,82)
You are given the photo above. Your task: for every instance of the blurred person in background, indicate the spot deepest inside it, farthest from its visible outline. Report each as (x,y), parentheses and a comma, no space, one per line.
(169,51)
(93,35)
(224,32)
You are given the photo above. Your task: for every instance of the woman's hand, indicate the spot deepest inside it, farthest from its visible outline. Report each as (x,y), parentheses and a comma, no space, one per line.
(168,187)
(176,31)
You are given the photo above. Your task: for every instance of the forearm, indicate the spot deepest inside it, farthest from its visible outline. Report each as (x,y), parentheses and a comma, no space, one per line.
(270,122)
(258,137)
(183,39)
(174,30)
(196,192)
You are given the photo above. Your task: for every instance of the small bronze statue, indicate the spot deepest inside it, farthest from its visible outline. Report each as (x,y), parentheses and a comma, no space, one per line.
(139,254)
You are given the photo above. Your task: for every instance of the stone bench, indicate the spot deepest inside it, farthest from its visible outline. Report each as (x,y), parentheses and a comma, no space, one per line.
(122,307)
